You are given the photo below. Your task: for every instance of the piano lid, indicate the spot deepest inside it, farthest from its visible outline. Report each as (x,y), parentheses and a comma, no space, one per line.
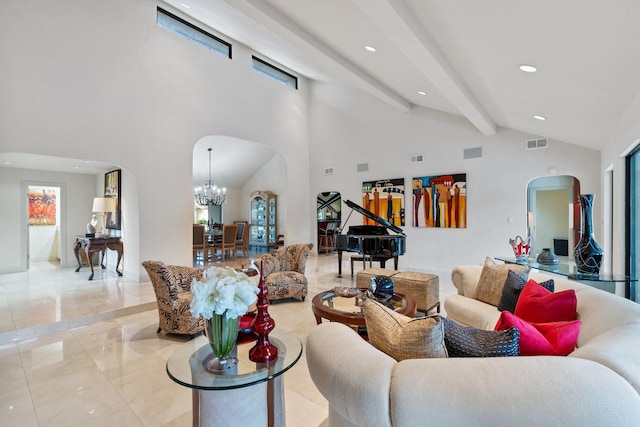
(374,217)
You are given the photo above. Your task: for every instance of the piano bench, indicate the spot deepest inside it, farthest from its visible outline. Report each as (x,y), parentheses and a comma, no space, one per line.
(423,288)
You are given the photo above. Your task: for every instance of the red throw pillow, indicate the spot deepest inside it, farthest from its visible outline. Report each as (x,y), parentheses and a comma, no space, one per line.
(539,305)
(542,339)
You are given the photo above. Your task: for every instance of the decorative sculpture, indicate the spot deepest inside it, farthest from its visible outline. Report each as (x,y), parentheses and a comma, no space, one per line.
(263,351)
(91,226)
(521,247)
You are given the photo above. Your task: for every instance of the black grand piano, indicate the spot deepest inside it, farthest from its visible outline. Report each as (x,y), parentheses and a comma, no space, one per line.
(373,242)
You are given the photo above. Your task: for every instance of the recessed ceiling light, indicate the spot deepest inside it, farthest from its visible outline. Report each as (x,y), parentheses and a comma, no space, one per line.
(186,5)
(7,162)
(539,117)
(528,68)
(370,48)
(421,92)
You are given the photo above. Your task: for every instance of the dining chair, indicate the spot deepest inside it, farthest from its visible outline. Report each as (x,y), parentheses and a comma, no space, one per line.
(228,243)
(200,242)
(242,237)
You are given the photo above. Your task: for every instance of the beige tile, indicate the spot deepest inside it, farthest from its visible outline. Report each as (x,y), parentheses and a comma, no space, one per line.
(87,353)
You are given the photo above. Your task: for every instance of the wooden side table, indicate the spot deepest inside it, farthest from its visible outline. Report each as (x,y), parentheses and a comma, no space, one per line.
(92,245)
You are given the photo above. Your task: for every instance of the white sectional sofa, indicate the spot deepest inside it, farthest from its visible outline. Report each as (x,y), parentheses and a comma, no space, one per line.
(598,384)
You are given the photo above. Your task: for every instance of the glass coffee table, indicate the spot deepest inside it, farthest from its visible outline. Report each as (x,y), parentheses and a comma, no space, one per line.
(348,310)
(250,394)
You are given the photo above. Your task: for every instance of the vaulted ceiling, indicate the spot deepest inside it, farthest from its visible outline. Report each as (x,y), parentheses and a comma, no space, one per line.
(463,54)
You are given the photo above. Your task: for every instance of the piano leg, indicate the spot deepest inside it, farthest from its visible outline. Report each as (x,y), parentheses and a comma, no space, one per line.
(395,262)
(339,263)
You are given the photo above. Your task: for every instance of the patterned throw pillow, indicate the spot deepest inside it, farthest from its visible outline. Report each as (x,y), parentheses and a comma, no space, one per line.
(513,287)
(492,280)
(403,337)
(466,341)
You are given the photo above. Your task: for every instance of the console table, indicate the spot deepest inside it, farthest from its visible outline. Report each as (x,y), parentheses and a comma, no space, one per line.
(605,281)
(251,394)
(92,245)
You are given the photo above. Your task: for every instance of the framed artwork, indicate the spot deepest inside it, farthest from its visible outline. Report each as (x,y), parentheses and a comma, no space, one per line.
(384,198)
(42,206)
(112,182)
(440,201)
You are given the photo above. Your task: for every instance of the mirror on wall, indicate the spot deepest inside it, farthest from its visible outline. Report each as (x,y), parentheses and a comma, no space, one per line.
(329,218)
(553,213)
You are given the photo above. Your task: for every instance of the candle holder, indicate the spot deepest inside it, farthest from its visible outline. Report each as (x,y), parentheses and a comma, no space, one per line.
(263,351)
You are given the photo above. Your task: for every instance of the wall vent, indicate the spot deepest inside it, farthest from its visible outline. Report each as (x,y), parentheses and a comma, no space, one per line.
(328,171)
(472,153)
(534,144)
(363,167)
(416,158)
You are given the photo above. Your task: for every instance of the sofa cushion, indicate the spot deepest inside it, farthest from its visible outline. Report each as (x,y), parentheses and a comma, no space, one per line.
(542,339)
(467,341)
(403,337)
(513,287)
(492,280)
(539,305)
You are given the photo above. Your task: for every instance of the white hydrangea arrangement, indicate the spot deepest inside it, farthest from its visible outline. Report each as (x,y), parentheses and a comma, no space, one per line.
(222,290)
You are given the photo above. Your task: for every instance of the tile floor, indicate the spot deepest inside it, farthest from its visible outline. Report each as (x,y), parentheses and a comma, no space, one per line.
(80,353)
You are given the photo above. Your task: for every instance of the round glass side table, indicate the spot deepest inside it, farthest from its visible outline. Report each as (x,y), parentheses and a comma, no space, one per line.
(249,394)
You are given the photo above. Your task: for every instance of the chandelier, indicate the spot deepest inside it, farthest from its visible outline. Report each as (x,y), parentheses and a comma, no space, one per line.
(210,194)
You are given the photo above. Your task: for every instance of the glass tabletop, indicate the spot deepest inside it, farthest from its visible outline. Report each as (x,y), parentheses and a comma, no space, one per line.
(354,304)
(568,268)
(187,365)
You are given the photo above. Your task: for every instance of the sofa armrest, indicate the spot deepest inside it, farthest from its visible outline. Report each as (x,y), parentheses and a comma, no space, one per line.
(465,279)
(351,374)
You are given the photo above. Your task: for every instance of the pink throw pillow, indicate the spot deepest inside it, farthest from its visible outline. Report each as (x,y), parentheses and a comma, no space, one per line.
(542,339)
(539,305)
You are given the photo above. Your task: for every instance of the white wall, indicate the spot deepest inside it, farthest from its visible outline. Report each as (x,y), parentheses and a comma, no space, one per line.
(272,177)
(130,93)
(348,128)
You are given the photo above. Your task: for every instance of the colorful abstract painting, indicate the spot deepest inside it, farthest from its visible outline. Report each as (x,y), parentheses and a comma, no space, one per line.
(440,201)
(42,207)
(384,198)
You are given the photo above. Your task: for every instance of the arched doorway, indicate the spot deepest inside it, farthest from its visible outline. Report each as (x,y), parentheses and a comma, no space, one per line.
(553,213)
(329,219)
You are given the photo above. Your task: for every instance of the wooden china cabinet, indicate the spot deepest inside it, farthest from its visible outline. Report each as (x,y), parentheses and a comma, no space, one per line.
(264,219)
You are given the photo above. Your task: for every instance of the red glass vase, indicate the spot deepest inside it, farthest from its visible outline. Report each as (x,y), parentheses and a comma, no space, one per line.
(263,351)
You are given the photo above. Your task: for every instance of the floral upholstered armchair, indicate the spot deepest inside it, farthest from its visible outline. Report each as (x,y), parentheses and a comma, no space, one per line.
(283,270)
(172,285)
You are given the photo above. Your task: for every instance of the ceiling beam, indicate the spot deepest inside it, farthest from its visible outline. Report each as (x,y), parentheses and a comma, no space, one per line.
(271,18)
(398,22)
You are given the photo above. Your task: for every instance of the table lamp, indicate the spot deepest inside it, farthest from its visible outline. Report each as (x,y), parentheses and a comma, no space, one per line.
(104,205)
